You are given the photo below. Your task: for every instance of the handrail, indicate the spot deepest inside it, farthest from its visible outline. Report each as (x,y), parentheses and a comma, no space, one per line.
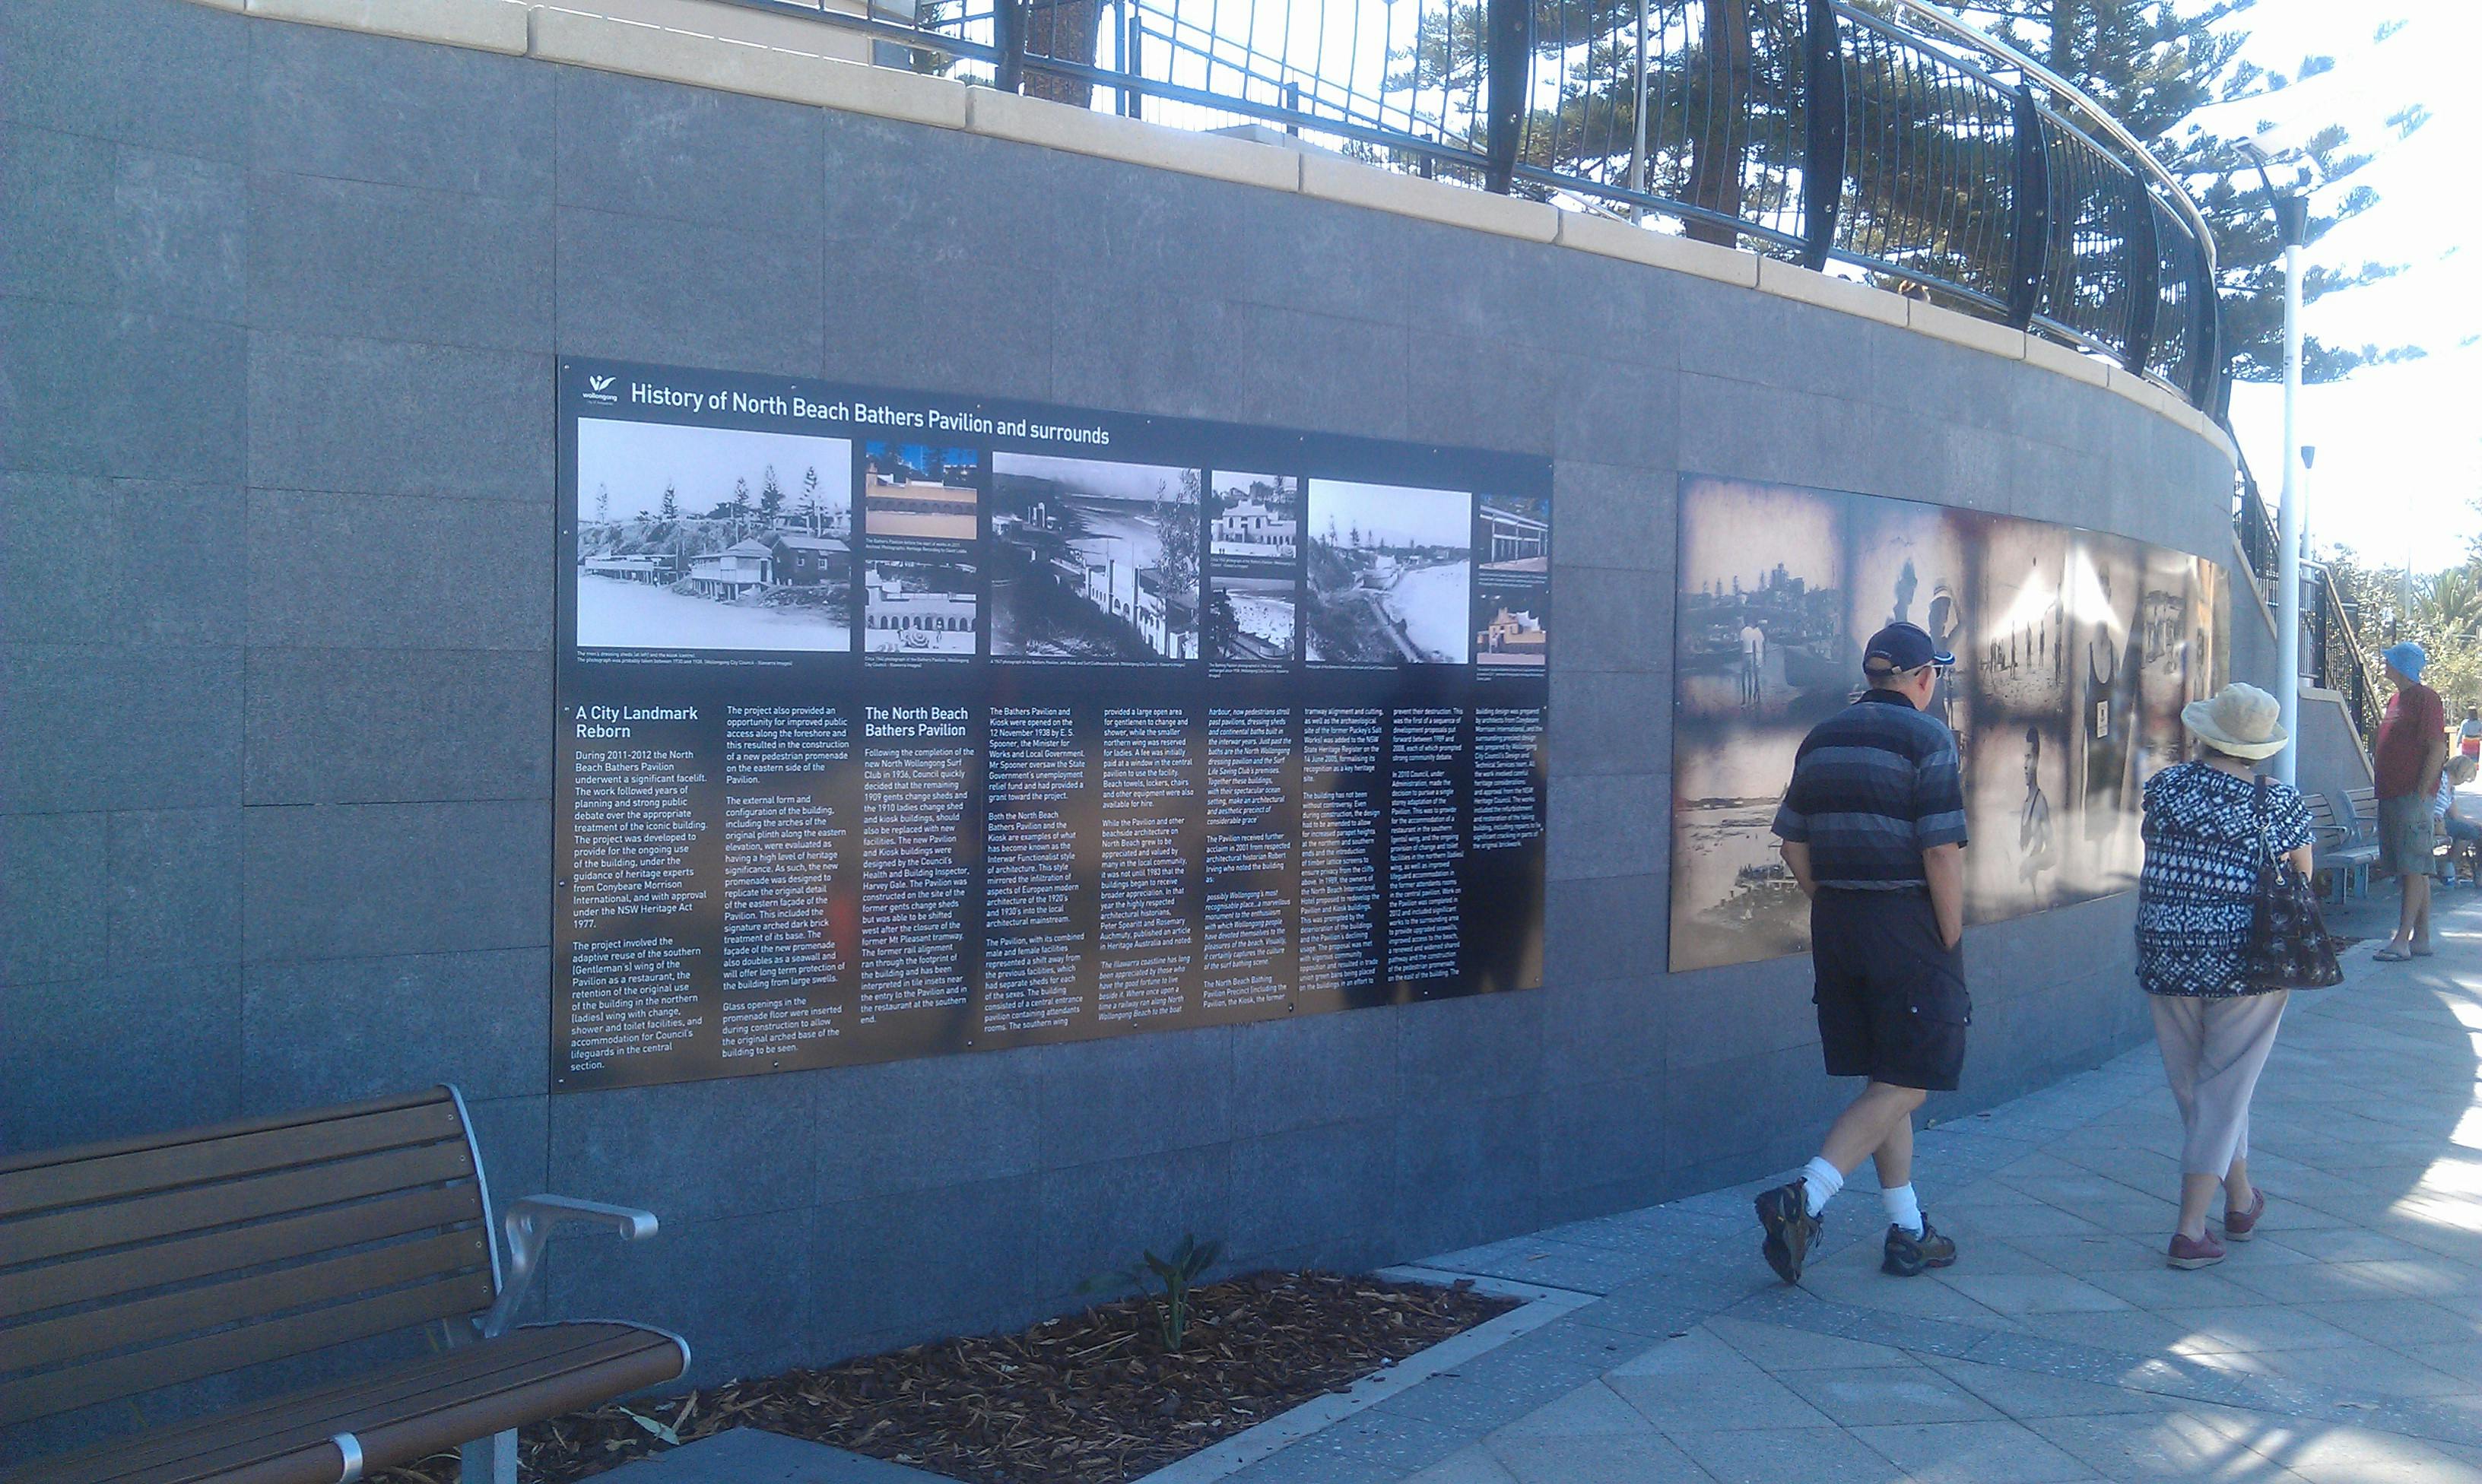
(2061,86)
(1885,136)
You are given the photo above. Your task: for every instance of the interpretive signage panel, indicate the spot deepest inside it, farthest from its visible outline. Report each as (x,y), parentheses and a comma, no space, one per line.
(895,723)
(2075,651)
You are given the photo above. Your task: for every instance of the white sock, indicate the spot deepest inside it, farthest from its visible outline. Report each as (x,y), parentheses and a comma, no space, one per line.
(1904,1210)
(1821,1181)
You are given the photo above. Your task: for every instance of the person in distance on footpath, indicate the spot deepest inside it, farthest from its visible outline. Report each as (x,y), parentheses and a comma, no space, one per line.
(2405,762)
(2210,823)
(1872,829)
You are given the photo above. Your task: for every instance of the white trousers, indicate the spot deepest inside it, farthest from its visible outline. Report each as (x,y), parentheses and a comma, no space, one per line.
(2213,1051)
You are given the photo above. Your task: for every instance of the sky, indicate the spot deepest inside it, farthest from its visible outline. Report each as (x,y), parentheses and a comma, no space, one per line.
(635,461)
(1393,514)
(2399,448)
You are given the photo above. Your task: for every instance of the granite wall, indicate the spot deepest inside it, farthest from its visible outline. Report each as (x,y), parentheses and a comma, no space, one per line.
(278,310)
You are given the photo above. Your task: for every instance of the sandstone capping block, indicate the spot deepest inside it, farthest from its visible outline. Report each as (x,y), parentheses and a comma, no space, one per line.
(482,25)
(1792,282)
(638,48)
(2137,389)
(1965,329)
(2052,357)
(1083,131)
(634,47)
(1410,195)
(1588,233)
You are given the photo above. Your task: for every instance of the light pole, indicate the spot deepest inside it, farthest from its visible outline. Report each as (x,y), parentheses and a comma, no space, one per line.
(2292,228)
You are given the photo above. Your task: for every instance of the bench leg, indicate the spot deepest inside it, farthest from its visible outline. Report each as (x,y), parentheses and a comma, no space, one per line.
(492,1460)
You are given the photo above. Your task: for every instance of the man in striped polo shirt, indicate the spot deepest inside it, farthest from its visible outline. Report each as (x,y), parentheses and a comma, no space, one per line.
(1873,829)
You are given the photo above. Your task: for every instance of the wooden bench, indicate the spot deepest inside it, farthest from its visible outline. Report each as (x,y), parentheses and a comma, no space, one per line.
(2340,845)
(146,1262)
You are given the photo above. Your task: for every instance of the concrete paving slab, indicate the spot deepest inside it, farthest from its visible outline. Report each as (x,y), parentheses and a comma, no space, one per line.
(747,1455)
(1973,1454)
(1887,1394)
(1637,1458)
(1811,1455)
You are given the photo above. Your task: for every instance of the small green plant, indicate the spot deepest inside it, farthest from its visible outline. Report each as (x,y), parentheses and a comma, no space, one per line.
(1166,1281)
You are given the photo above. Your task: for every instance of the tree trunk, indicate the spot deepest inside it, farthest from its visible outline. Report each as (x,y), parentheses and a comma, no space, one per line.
(1063,30)
(1720,135)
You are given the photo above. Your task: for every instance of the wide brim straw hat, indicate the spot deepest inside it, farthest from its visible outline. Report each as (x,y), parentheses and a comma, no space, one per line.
(2241,719)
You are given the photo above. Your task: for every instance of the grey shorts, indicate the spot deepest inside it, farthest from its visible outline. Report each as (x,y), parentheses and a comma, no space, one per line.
(2405,839)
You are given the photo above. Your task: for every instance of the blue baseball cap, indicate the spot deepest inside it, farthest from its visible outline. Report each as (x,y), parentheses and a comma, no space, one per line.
(2408,657)
(1901,647)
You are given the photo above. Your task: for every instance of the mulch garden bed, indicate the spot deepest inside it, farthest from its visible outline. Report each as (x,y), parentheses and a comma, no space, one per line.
(1088,1398)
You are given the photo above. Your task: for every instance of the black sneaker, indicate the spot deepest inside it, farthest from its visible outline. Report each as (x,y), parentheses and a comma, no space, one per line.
(1784,1211)
(1906,1255)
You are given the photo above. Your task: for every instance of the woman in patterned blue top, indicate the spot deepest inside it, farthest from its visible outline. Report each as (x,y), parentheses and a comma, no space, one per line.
(2210,825)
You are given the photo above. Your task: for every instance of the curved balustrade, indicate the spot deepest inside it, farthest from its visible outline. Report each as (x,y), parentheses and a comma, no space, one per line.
(1883,134)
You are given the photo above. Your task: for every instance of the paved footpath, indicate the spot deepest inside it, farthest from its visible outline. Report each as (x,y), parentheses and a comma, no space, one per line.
(2343,1345)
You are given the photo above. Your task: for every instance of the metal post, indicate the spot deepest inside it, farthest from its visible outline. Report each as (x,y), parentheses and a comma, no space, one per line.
(1508,49)
(1824,108)
(2292,212)
(1293,106)
(1131,36)
(492,1460)
(2030,189)
(2145,277)
(2206,334)
(1008,28)
(1637,116)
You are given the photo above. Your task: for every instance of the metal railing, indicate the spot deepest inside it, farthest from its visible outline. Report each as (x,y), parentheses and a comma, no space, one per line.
(1881,135)
(2332,656)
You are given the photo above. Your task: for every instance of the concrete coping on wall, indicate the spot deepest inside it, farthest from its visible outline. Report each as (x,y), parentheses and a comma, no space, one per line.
(681,54)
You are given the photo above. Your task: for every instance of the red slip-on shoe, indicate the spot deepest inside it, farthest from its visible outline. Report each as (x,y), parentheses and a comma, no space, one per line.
(2195,1251)
(2239,1226)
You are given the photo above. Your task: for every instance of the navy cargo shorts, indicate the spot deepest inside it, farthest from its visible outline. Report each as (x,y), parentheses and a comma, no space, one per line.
(1891,1000)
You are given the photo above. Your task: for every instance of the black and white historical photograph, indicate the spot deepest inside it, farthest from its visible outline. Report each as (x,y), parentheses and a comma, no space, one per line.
(2165,635)
(1251,620)
(926,609)
(1907,563)
(1254,521)
(2106,581)
(1390,575)
(712,539)
(2020,661)
(2017,814)
(1762,633)
(1732,898)
(1515,536)
(1094,561)
(921,491)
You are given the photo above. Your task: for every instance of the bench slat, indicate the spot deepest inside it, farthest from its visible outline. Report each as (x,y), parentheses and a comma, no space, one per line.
(33,1238)
(206,1134)
(212,1306)
(129,1375)
(531,1372)
(371,1393)
(144,1172)
(83,1280)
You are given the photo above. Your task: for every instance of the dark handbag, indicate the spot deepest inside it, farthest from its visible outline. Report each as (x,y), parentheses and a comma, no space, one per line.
(2289,944)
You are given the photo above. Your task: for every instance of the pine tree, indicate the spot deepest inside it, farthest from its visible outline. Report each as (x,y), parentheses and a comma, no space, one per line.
(602,502)
(671,508)
(738,506)
(2153,65)
(770,495)
(810,497)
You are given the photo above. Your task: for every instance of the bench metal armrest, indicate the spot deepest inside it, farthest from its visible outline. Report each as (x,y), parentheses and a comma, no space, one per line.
(529,1223)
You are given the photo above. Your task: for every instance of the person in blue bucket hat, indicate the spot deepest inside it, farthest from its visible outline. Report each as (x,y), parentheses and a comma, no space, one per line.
(2411,749)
